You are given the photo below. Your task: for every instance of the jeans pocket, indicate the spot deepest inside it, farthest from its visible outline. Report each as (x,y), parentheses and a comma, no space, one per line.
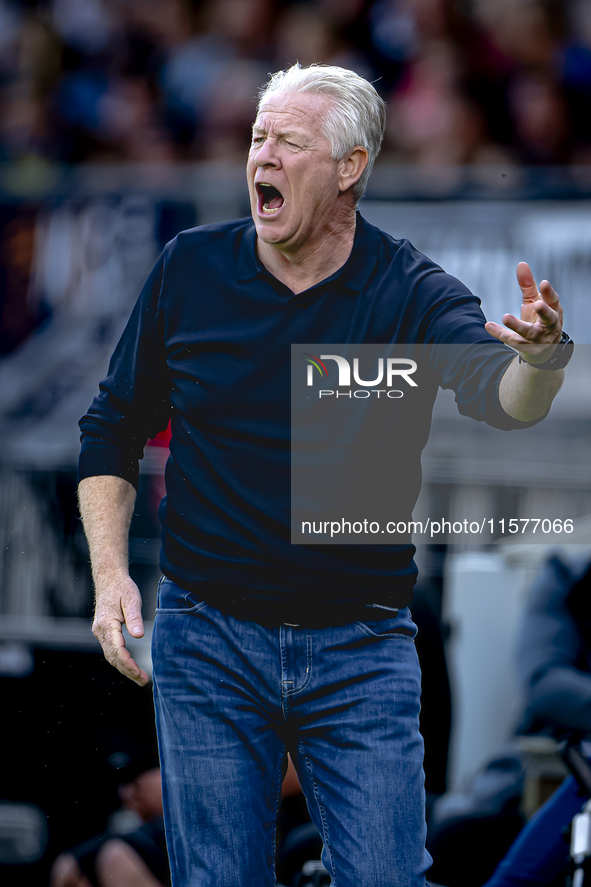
(172,600)
(388,628)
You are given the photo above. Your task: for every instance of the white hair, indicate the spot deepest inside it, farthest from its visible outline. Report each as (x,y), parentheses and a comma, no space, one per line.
(357,115)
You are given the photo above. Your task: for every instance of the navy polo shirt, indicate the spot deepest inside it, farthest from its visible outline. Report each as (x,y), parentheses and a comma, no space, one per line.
(208,346)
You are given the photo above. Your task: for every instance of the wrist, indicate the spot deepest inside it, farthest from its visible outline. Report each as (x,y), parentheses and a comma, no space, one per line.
(560,357)
(107,576)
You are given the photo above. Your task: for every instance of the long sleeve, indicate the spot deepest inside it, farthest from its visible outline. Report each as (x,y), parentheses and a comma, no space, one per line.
(133,404)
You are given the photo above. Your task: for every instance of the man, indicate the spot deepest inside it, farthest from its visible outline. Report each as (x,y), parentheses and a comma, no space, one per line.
(135,858)
(554,661)
(262,647)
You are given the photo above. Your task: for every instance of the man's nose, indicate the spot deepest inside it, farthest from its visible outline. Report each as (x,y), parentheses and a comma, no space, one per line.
(267,154)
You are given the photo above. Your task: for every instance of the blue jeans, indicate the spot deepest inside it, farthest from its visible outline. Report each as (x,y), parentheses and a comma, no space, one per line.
(233,697)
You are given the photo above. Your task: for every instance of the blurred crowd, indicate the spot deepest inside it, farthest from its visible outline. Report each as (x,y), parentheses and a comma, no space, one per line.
(498,84)
(466,81)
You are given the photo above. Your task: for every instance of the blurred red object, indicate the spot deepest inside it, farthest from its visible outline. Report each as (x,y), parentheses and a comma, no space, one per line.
(162,439)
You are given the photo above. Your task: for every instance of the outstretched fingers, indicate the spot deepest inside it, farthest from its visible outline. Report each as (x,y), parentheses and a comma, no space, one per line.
(540,323)
(541,304)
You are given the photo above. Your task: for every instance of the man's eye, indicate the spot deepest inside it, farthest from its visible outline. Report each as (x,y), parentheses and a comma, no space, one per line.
(257,140)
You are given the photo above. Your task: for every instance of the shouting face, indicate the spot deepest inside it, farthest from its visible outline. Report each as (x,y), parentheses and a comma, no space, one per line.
(294,183)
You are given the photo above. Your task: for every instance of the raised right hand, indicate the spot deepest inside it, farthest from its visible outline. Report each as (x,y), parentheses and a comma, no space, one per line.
(118,603)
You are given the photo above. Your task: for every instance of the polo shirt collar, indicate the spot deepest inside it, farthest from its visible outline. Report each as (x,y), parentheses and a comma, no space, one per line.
(353,275)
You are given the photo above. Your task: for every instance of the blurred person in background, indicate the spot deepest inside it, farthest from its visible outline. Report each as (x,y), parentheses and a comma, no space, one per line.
(540,119)
(555,669)
(237,600)
(473,832)
(129,857)
(554,652)
(431,121)
(20,312)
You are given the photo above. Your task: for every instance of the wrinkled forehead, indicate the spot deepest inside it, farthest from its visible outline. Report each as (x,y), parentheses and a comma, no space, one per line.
(293,111)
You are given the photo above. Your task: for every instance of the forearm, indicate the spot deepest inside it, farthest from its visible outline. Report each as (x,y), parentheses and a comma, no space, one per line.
(526,393)
(106,507)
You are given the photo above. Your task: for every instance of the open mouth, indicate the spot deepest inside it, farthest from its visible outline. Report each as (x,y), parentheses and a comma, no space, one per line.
(270,199)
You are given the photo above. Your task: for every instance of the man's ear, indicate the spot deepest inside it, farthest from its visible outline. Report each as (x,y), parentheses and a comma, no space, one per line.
(351,167)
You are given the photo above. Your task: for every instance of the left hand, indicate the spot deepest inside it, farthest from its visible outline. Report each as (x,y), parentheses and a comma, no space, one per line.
(540,325)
